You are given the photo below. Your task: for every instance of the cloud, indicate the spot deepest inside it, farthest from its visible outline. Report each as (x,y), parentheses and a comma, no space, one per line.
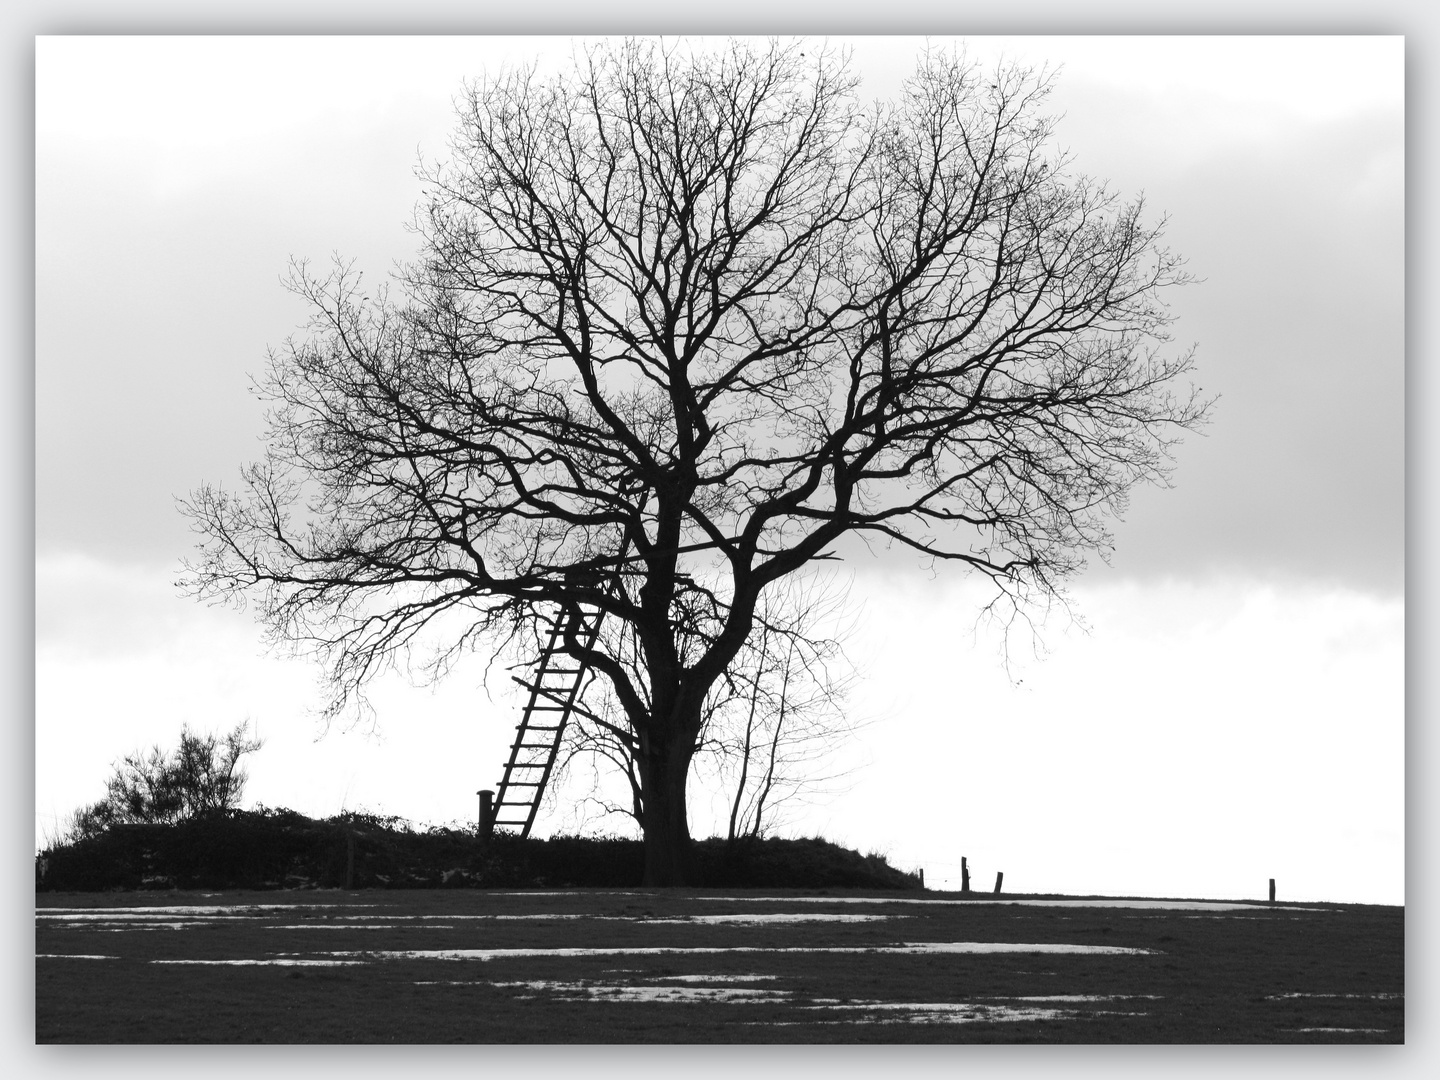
(157,297)
(1299,317)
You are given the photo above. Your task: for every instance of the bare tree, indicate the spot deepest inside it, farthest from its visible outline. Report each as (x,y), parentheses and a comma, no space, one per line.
(702,308)
(769,722)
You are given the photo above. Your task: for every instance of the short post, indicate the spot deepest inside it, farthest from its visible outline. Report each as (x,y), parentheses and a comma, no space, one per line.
(350,861)
(487,814)
(922,877)
(1272,890)
(998,879)
(964,875)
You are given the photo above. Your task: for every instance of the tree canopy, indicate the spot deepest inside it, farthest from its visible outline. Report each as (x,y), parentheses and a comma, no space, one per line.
(691,316)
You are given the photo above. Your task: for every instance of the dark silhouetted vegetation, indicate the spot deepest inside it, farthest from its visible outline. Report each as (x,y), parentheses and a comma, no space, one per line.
(200,777)
(273,849)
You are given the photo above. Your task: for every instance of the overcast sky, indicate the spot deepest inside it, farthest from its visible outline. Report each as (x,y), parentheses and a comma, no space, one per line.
(1236,710)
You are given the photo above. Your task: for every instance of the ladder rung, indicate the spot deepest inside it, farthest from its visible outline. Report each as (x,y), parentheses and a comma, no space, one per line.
(533,746)
(537,727)
(548,708)
(522,783)
(544,688)
(527,764)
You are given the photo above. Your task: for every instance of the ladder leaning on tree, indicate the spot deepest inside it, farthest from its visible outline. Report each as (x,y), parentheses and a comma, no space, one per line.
(554,695)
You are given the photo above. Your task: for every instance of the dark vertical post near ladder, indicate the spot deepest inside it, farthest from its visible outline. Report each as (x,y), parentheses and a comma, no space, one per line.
(998,879)
(487,814)
(1272,890)
(964,875)
(350,861)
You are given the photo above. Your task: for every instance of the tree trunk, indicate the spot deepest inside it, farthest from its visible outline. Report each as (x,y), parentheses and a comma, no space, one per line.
(666,827)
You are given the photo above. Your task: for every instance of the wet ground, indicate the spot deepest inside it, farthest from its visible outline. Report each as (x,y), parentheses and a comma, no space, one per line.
(683,966)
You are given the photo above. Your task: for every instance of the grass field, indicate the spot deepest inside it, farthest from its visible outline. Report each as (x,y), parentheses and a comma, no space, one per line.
(606,966)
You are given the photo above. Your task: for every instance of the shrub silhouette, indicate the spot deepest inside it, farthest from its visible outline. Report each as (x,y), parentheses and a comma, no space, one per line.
(200,776)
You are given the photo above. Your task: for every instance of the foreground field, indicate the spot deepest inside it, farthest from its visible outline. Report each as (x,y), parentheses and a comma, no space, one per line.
(697,966)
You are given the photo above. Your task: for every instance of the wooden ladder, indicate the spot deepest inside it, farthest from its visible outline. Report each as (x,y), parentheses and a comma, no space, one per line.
(554,694)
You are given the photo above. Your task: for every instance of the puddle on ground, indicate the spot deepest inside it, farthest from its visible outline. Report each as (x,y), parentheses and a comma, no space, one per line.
(1157,905)
(581,991)
(278,961)
(939,1012)
(656,990)
(565,892)
(127,928)
(215,911)
(976,947)
(772,917)
(1008,947)
(129,919)
(348,926)
(1342,1031)
(1086,997)
(115,915)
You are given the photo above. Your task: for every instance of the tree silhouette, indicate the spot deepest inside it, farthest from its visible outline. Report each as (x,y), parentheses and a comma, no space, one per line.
(694,316)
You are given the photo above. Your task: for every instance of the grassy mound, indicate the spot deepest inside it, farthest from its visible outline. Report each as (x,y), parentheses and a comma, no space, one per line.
(272,849)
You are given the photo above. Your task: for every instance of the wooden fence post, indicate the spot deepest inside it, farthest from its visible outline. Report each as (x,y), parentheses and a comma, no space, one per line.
(922,877)
(998,879)
(964,876)
(1272,890)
